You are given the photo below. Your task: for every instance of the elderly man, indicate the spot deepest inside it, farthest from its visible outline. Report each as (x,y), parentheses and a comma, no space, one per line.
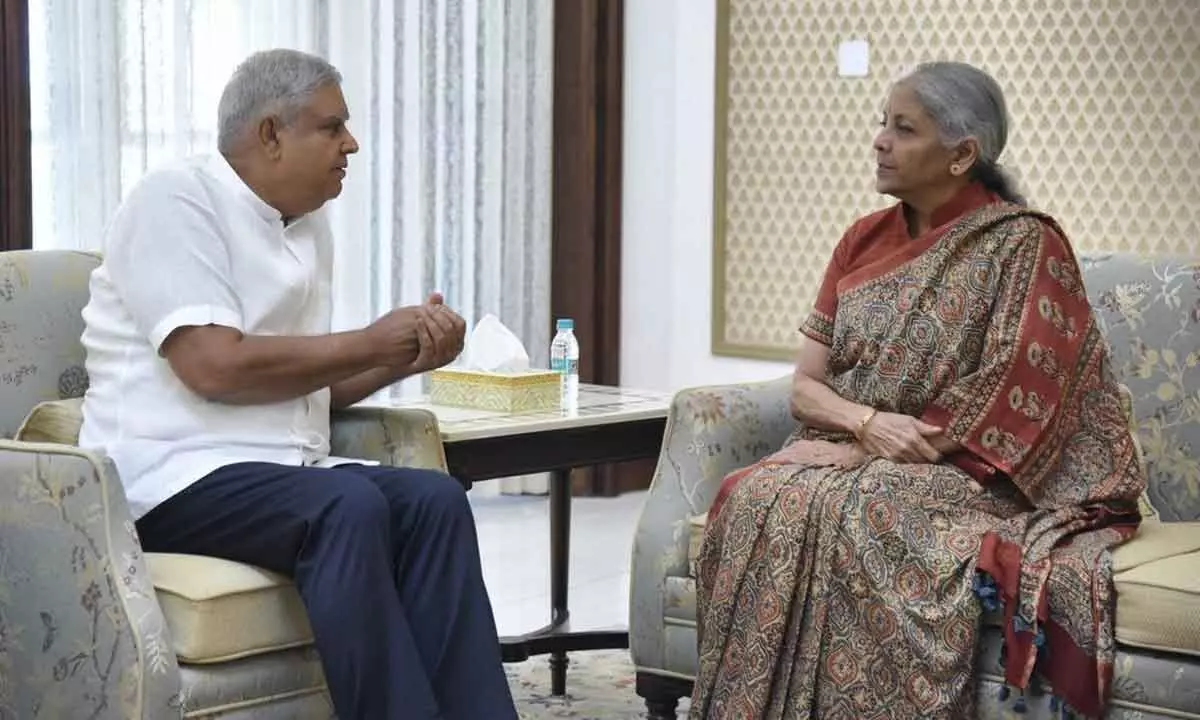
(213,371)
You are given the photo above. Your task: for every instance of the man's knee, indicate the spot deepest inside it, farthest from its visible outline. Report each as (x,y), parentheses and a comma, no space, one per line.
(432,490)
(441,490)
(356,502)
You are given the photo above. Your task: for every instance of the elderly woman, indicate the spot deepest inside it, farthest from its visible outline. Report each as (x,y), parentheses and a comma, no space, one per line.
(962,447)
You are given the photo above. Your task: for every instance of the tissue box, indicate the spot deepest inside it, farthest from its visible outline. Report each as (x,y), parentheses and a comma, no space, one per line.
(500,392)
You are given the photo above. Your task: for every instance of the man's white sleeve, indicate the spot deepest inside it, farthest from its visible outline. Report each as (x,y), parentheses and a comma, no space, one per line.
(168,259)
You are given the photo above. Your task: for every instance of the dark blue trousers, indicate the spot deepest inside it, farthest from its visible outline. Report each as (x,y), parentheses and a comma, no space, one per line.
(387,563)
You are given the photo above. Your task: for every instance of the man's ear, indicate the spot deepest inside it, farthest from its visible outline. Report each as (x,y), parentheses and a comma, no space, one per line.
(268,136)
(964,156)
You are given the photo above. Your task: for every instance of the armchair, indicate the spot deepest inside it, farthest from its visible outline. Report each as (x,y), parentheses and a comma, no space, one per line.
(89,625)
(1150,312)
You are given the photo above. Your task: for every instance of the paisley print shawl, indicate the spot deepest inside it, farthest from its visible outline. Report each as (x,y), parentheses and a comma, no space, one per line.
(855,592)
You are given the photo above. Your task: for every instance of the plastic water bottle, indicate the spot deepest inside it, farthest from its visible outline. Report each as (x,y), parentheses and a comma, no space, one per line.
(564,359)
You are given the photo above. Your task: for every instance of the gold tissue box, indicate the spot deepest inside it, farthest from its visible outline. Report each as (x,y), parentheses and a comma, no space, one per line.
(499,392)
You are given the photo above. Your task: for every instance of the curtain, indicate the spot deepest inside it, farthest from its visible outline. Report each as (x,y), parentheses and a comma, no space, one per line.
(450,100)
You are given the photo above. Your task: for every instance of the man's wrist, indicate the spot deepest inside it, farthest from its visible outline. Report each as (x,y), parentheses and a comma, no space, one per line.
(403,372)
(363,343)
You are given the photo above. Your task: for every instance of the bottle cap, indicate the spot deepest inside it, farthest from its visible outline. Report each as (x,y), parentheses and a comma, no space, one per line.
(566,324)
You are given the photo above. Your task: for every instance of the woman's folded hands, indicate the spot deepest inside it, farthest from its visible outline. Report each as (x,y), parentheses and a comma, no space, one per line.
(819,452)
(900,438)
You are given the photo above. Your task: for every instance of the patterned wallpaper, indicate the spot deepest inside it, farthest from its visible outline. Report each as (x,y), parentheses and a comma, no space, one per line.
(1105,103)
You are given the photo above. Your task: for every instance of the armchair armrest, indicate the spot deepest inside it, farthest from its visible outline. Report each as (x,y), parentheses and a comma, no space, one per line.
(81,632)
(710,432)
(401,437)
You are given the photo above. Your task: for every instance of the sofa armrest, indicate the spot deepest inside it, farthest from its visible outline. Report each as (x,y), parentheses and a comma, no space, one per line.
(81,632)
(401,437)
(710,432)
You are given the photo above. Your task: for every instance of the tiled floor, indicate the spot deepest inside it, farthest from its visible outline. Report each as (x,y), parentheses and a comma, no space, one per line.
(514,540)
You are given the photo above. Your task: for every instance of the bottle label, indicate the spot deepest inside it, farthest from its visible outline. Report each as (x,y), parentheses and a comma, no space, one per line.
(564,365)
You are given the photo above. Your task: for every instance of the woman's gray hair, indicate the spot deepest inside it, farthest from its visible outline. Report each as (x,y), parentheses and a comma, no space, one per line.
(271,82)
(965,102)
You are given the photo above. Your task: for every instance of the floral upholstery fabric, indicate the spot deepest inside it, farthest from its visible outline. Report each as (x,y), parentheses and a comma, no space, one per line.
(710,432)
(402,437)
(1149,310)
(82,633)
(41,357)
(1146,686)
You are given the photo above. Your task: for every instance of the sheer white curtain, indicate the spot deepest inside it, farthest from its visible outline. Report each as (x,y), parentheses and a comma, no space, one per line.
(120,86)
(450,101)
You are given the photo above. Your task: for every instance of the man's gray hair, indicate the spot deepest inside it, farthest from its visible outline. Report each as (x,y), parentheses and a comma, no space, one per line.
(965,102)
(272,82)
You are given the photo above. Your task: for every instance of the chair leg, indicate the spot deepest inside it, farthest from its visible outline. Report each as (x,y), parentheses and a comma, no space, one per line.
(662,694)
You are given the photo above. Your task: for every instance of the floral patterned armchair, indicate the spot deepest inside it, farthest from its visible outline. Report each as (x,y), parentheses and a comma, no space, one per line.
(1150,311)
(89,625)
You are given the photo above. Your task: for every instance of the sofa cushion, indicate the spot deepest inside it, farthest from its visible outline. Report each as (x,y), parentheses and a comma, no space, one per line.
(286,684)
(679,599)
(219,610)
(53,421)
(1156,574)
(1157,578)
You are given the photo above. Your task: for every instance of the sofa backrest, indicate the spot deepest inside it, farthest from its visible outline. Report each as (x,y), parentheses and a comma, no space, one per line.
(42,293)
(1149,309)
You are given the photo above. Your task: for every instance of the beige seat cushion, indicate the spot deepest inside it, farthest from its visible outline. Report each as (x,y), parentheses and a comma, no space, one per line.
(218,610)
(1156,574)
(1157,577)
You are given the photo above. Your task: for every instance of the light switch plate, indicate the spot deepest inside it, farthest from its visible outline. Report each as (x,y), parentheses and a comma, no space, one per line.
(853,58)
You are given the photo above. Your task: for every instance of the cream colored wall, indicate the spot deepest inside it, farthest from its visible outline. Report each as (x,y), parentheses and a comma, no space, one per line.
(1105,103)
(666,201)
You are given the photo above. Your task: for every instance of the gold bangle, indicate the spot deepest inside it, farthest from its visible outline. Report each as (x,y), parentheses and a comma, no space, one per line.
(862,424)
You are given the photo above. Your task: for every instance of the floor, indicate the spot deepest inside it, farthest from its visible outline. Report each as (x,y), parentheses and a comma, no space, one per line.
(514,541)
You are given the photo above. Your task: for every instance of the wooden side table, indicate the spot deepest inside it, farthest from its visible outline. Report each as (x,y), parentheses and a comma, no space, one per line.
(611,425)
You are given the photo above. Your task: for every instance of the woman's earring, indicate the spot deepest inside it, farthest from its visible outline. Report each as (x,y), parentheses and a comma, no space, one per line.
(955,169)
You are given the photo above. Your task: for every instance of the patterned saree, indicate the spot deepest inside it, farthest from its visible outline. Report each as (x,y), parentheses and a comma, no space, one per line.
(858,592)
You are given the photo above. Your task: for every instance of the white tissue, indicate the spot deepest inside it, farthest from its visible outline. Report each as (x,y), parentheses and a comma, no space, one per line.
(492,347)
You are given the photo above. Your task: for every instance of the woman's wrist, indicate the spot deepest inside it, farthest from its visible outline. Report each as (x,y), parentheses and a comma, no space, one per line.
(863,415)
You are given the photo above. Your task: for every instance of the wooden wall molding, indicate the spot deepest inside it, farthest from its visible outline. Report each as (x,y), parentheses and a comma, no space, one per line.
(589,38)
(16,169)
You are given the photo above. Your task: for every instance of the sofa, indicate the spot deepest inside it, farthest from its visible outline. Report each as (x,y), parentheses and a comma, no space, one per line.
(90,626)
(1149,309)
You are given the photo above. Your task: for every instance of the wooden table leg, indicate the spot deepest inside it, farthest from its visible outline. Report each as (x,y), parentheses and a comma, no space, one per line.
(560,570)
